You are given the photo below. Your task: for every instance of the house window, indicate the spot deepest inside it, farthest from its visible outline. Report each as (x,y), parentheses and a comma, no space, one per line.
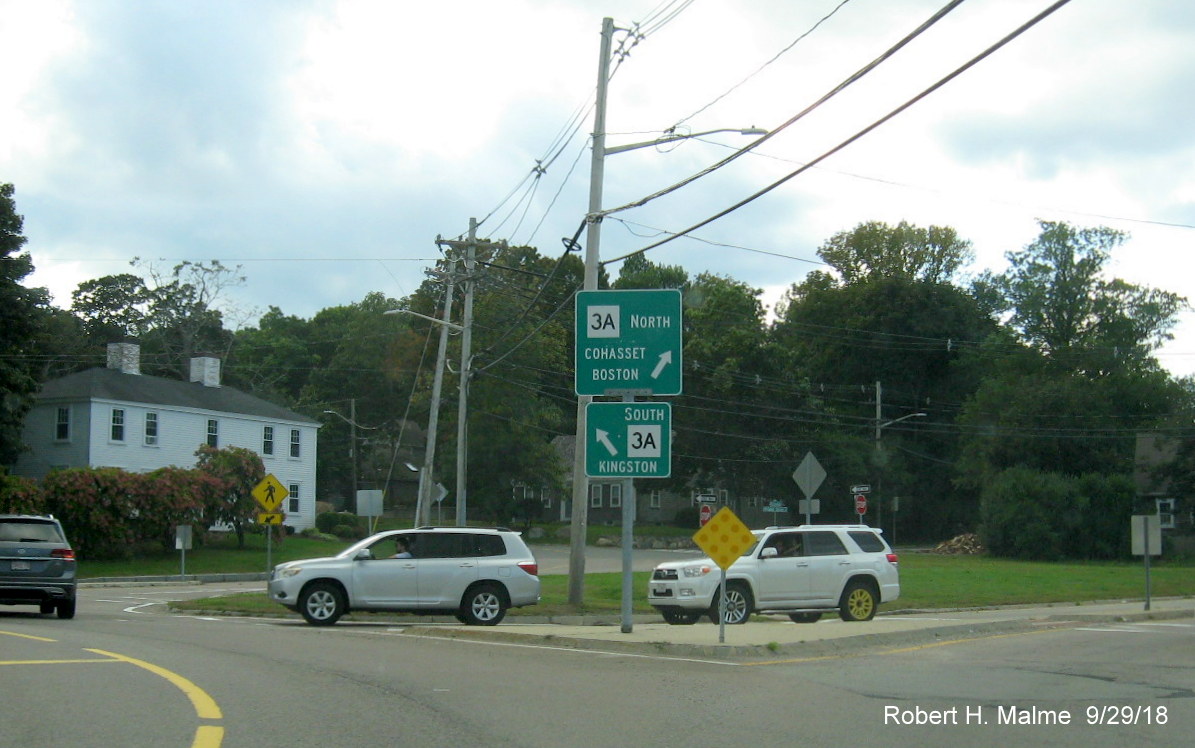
(118,424)
(615,495)
(595,497)
(213,432)
(1166,509)
(545,498)
(294,443)
(655,501)
(292,498)
(267,440)
(62,426)
(151,429)
(723,496)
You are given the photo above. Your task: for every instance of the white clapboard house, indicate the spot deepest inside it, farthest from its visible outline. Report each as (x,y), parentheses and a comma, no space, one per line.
(118,417)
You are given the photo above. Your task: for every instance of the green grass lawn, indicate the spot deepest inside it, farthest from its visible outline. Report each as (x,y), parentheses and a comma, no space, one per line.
(927,580)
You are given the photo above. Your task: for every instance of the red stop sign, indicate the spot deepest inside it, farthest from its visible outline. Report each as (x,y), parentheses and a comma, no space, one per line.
(860,504)
(707,511)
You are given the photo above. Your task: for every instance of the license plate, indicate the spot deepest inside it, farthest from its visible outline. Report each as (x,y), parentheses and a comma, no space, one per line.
(660,592)
(20,566)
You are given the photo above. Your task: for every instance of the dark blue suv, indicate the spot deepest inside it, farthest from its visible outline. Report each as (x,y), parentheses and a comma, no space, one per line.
(37,564)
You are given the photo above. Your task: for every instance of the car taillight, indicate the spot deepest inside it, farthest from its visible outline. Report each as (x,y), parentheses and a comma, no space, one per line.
(892,558)
(63,553)
(530,567)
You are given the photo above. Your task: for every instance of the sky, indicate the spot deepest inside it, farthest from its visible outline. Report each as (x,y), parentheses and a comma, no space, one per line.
(324,145)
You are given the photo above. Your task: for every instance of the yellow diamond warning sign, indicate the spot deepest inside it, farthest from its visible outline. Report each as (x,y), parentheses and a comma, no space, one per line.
(269,493)
(724,538)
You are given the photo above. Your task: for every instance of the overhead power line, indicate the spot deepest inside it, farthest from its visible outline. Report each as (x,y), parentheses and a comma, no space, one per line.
(857,136)
(853,78)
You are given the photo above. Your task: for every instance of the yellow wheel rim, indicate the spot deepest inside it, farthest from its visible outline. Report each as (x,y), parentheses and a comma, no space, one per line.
(860,603)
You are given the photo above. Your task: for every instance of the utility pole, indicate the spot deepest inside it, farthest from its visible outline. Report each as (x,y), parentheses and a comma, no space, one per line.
(469,249)
(353,446)
(427,474)
(462,405)
(597,168)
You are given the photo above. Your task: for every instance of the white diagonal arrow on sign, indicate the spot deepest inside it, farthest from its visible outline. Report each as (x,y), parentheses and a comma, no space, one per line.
(665,359)
(604,439)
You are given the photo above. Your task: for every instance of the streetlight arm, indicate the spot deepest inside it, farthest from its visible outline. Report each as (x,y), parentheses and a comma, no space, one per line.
(449,325)
(675,137)
(351,422)
(898,420)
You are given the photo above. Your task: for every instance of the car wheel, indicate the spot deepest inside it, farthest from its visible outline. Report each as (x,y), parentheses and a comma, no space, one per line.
(681,617)
(321,603)
(858,602)
(484,605)
(739,604)
(805,617)
(66,609)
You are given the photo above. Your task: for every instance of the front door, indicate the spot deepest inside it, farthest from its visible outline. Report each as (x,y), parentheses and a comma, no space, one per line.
(783,578)
(384,580)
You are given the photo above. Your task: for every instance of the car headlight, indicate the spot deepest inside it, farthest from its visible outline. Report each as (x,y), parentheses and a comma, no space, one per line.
(290,572)
(695,571)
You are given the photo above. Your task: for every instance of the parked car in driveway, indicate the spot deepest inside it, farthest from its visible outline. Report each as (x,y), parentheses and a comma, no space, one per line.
(37,564)
(472,573)
(802,571)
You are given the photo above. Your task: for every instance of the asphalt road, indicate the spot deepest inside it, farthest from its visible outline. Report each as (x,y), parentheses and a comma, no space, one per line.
(128,672)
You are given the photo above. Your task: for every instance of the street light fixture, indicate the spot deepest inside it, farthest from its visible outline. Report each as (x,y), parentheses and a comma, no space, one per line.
(879,452)
(422,510)
(351,420)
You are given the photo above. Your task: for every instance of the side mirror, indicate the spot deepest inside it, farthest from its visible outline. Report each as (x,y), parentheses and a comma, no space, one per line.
(363,555)
(769,552)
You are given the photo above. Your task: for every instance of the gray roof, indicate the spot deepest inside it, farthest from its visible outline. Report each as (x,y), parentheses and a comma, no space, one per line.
(111,384)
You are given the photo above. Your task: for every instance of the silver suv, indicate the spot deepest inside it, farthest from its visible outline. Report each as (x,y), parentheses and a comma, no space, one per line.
(474,574)
(802,571)
(37,564)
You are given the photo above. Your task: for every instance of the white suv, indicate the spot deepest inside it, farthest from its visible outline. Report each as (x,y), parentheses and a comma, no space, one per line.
(803,571)
(472,573)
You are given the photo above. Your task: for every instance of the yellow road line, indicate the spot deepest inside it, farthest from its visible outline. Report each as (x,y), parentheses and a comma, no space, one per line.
(208,736)
(27,636)
(54,662)
(205,706)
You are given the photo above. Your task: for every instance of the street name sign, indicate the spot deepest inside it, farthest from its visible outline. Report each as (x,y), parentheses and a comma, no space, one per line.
(628,440)
(628,342)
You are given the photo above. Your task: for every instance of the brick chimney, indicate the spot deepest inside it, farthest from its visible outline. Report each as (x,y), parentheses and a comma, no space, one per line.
(124,357)
(206,370)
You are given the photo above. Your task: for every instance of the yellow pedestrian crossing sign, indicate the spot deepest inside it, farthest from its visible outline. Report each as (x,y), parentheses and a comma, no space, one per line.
(269,518)
(269,493)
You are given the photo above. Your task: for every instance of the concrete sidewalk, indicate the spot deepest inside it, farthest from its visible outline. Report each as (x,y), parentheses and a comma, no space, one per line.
(775,637)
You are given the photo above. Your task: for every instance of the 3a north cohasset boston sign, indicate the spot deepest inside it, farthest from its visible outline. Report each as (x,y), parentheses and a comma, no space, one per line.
(628,341)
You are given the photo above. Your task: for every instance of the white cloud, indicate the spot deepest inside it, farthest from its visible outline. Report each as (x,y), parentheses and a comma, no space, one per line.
(325,144)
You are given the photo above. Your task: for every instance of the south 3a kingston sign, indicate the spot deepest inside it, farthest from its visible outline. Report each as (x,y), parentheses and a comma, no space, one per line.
(628,440)
(628,342)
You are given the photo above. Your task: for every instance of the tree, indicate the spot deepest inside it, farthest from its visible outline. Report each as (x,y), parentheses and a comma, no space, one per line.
(113,308)
(1063,306)
(237,471)
(876,250)
(911,336)
(186,313)
(21,313)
